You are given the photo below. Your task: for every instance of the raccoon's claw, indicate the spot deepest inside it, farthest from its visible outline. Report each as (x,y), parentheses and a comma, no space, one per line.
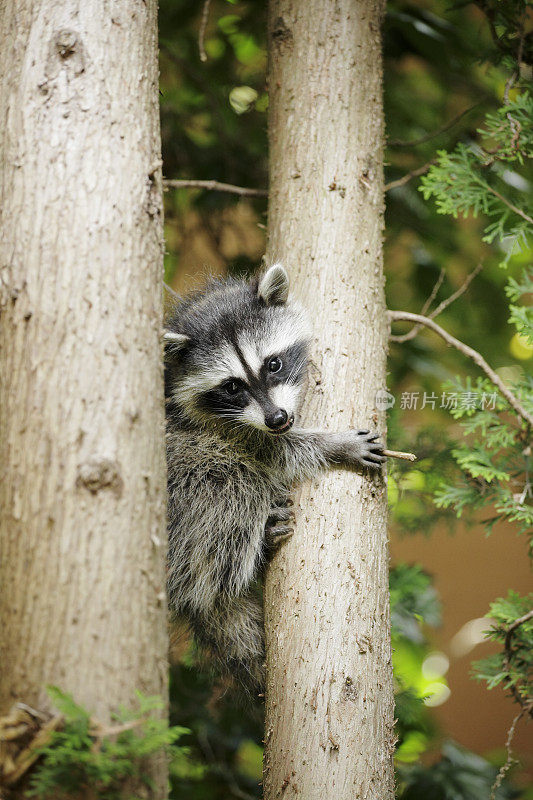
(275,536)
(281,502)
(279,514)
(370,451)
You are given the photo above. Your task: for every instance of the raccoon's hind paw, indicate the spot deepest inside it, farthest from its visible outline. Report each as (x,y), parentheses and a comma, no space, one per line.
(276,533)
(279,514)
(275,536)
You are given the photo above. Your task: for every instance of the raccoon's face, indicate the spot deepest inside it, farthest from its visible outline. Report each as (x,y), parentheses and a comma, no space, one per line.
(238,353)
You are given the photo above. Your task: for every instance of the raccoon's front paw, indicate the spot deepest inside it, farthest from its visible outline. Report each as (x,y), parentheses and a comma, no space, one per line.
(364,449)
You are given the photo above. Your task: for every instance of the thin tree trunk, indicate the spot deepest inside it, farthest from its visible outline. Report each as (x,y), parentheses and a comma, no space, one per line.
(329,727)
(81,439)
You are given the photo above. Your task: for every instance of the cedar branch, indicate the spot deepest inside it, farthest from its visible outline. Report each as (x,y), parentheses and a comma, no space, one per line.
(504,769)
(527,706)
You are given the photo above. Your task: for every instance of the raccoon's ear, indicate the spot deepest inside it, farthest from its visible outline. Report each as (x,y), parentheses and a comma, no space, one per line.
(177,340)
(274,286)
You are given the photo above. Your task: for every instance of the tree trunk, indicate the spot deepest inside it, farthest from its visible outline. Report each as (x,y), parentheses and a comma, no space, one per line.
(81,400)
(329,727)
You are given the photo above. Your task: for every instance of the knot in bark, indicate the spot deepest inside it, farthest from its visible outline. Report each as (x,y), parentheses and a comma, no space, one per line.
(100,473)
(65,42)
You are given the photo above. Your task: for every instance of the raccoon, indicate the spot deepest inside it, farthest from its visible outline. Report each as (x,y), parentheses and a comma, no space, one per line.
(235,362)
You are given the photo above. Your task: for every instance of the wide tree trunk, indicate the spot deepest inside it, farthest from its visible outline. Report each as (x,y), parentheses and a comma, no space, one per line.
(81,399)
(329,727)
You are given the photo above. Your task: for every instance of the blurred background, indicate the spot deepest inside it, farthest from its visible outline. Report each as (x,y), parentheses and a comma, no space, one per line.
(442,76)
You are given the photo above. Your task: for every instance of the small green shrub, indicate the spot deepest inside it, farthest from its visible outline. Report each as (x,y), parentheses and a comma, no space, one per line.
(83,755)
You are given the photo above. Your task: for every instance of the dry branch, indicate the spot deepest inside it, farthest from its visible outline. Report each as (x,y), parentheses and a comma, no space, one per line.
(526,705)
(203,26)
(245,191)
(20,739)
(214,186)
(400,455)
(504,769)
(405,337)
(433,134)
(171,291)
(415,173)
(469,352)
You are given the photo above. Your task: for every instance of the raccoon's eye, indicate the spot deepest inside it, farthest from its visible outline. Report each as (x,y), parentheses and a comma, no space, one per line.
(275,364)
(232,387)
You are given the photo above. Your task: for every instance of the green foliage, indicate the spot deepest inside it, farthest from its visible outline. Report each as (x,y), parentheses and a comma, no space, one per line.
(521,315)
(513,667)
(510,130)
(507,22)
(81,755)
(413,601)
(487,174)
(225,737)
(474,180)
(414,608)
(476,177)
(494,456)
(411,487)
(458,775)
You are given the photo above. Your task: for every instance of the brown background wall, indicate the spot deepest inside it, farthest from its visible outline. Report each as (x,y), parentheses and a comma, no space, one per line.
(469,572)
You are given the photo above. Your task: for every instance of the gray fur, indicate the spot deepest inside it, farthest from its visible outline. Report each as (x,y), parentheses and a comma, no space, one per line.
(229,475)
(274,286)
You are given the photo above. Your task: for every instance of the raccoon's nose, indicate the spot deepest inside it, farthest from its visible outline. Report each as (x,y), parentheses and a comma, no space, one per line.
(277,419)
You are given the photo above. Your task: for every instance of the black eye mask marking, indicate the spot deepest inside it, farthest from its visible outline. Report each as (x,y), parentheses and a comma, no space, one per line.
(233,395)
(219,400)
(293,365)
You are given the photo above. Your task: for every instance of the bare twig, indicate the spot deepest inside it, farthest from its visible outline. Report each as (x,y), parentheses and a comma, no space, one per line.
(516,624)
(526,706)
(171,292)
(33,712)
(469,352)
(203,26)
(29,754)
(504,769)
(461,290)
(433,134)
(214,186)
(440,308)
(510,205)
(412,333)
(432,296)
(398,454)
(409,176)
(489,13)
(100,731)
(244,191)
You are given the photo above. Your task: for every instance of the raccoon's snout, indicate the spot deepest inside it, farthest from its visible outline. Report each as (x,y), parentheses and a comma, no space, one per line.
(278,421)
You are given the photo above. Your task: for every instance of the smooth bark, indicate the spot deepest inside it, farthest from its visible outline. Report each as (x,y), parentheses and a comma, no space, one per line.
(329,726)
(82,495)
